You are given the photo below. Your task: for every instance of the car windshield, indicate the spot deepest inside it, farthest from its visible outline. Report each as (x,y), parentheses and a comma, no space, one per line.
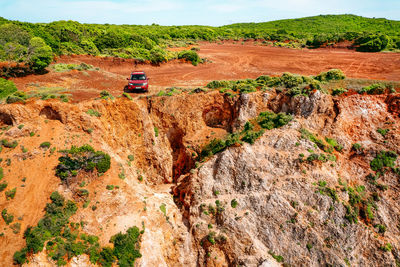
(138,77)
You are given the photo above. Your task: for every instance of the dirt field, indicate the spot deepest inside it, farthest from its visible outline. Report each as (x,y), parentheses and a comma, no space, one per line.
(228,61)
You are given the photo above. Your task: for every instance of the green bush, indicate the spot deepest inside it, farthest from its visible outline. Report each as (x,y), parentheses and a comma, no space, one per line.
(7,217)
(10,194)
(158,55)
(251,136)
(269,120)
(339,91)
(6,88)
(3,186)
(373,42)
(383,159)
(383,132)
(334,74)
(218,84)
(234,203)
(289,80)
(8,144)
(40,55)
(190,55)
(374,89)
(82,158)
(127,246)
(45,145)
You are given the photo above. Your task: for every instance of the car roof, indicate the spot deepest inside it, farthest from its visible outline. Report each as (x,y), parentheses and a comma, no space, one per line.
(138,72)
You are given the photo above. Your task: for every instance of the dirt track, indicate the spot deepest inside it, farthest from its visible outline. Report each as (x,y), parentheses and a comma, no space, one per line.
(228,61)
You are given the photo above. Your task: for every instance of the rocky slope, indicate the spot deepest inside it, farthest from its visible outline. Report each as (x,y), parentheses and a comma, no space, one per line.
(277,201)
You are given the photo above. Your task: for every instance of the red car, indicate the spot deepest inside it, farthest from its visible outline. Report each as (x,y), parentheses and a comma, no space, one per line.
(138,81)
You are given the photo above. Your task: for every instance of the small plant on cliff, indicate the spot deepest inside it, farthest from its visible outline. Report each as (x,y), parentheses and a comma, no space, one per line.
(83,158)
(357,147)
(106,95)
(127,246)
(269,120)
(156,132)
(7,217)
(383,132)
(10,194)
(387,247)
(93,112)
(339,91)
(45,145)
(3,186)
(234,203)
(9,144)
(383,159)
(278,258)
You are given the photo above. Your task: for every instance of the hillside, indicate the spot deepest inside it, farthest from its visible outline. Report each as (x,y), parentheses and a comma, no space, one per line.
(327,24)
(34,44)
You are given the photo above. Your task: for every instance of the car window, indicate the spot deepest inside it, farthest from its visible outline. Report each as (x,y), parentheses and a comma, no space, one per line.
(138,77)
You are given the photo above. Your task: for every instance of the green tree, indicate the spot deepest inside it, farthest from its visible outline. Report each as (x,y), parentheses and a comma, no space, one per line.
(40,55)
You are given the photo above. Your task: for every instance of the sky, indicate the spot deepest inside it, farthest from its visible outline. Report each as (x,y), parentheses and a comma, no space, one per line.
(189,12)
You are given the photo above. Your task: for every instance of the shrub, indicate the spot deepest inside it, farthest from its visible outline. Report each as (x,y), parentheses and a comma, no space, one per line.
(110,187)
(372,42)
(269,120)
(251,136)
(383,159)
(40,55)
(54,230)
(156,132)
(7,217)
(291,80)
(234,203)
(357,147)
(215,146)
(10,194)
(383,132)
(339,91)
(278,258)
(20,256)
(82,158)
(131,157)
(190,55)
(387,247)
(218,84)
(6,88)
(106,95)
(127,246)
(334,74)
(93,112)
(158,55)
(45,145)
(127,96)
(9,144)
(3,186)
(244,88)
(373,89)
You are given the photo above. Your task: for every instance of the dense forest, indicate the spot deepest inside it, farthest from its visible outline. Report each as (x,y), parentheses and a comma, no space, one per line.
(35,44)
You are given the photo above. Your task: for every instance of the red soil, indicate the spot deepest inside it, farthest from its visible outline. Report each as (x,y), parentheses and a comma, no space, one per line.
(228,61)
